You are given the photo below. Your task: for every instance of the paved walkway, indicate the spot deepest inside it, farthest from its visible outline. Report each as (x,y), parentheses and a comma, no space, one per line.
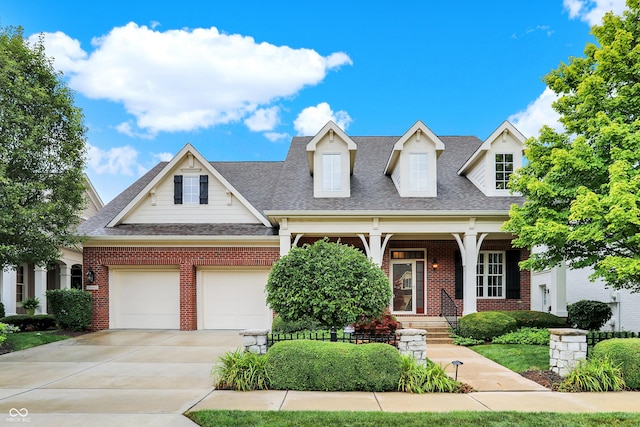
(150,378)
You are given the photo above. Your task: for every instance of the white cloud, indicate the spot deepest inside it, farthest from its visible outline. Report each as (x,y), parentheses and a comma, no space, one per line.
(263,119)
(312,119)
(592,11)
(162,157)
(538,113)
(274,136)
(115,161)
(181,80)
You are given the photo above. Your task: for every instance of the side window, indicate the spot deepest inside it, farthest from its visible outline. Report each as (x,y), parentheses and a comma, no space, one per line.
(504,168)
(20,284)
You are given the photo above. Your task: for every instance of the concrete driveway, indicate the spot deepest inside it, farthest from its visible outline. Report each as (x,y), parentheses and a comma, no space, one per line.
(116,377)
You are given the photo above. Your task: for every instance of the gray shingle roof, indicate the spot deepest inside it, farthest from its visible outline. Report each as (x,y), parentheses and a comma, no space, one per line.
(288,186)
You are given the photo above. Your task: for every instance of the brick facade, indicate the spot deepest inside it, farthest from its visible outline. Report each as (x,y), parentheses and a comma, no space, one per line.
(187,259)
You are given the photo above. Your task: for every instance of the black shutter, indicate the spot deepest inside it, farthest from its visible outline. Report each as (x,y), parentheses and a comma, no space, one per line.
(459,275)
(177,189)
(204,189)
(512,271)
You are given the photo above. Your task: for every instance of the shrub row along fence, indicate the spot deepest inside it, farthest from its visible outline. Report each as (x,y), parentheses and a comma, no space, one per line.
(595,337)
(353,338)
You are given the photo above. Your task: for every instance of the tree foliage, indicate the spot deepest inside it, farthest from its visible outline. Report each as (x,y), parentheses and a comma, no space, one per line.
(42,148)
(331,283)
(582,185)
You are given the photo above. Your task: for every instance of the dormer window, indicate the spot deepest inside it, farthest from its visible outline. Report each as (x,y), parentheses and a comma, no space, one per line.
(331,172)
(190,190)
(504,169)
(417,171)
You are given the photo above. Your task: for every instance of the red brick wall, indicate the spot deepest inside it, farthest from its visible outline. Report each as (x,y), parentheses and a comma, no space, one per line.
(188,259)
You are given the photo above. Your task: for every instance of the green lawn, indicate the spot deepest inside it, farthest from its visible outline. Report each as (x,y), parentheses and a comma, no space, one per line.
(23,340)
(384,419)
(517,357)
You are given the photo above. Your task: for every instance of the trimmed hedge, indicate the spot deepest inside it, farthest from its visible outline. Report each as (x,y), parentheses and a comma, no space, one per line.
(536,319)
(624,352)
(72,308)
(38,322)
(330,366)
(2,313)
(589,314)
(486,325)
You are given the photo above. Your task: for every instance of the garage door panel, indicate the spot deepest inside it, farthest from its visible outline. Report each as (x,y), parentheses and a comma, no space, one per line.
(147,299)
(234,299)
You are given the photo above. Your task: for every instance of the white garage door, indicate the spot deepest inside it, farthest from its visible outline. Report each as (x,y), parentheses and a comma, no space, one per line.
(144,299)
(233,299)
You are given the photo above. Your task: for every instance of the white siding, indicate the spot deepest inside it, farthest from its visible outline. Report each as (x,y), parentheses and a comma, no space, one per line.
(222,207)
(478,176)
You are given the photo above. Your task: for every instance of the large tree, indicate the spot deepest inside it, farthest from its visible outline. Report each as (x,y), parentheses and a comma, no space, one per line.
(582,185)
(331,283)
(42,150)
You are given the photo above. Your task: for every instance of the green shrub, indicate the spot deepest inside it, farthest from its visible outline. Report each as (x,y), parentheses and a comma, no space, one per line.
(2,312)
(39,322)
(594,375)
(624,352)
(329,366)
(427,378)
(72,308)
(533,336)
(242,371)
(536,319)
(466,342)
(588,314)
(332,283)
(279,325)
(485,325)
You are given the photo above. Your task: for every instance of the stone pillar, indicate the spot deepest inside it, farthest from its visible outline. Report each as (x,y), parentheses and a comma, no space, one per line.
(566,348)
(413,342)
(255,340)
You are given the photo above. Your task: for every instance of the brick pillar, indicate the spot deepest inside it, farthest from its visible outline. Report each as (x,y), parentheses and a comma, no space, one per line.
(566,348)
(188,297)
(413,342)
(255,340)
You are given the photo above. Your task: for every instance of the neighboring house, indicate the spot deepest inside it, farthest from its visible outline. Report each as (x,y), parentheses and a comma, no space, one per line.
(190,244)
(553,289)
(28,280)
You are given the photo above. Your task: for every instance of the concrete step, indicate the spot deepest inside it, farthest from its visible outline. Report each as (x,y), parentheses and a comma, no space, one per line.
(443,340)
(437,327)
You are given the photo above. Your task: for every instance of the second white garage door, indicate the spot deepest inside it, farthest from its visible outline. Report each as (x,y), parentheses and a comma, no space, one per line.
(233,299)
(144,299)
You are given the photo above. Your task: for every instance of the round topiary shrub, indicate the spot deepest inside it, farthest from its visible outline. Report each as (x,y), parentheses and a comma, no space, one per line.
(536,319)
(485,325)
(624,352)
(588,314)
(333,366)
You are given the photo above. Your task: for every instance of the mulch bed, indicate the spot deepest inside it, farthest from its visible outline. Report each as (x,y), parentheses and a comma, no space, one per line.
(546,379)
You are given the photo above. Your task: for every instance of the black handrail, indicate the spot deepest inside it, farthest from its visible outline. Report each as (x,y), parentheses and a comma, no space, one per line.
(448,309)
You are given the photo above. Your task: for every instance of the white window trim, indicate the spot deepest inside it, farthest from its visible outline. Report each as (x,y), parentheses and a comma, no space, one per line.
(485,275)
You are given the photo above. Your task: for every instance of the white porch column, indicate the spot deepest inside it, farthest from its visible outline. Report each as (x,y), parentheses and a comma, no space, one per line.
(8,278)
(470,271)
(559,300)
(375,246)
(65,276)
(40,286)
(285,237)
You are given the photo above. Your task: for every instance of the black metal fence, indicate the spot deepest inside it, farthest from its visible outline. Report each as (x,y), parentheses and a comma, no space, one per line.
(448,309)
(594,337)
(353,338)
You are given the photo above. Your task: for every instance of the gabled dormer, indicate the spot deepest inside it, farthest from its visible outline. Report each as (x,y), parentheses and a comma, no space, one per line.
(332,155)
(490,167)
(189,190)
(413,165)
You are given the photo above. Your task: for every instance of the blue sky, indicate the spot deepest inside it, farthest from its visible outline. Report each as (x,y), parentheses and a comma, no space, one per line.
(238,79)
